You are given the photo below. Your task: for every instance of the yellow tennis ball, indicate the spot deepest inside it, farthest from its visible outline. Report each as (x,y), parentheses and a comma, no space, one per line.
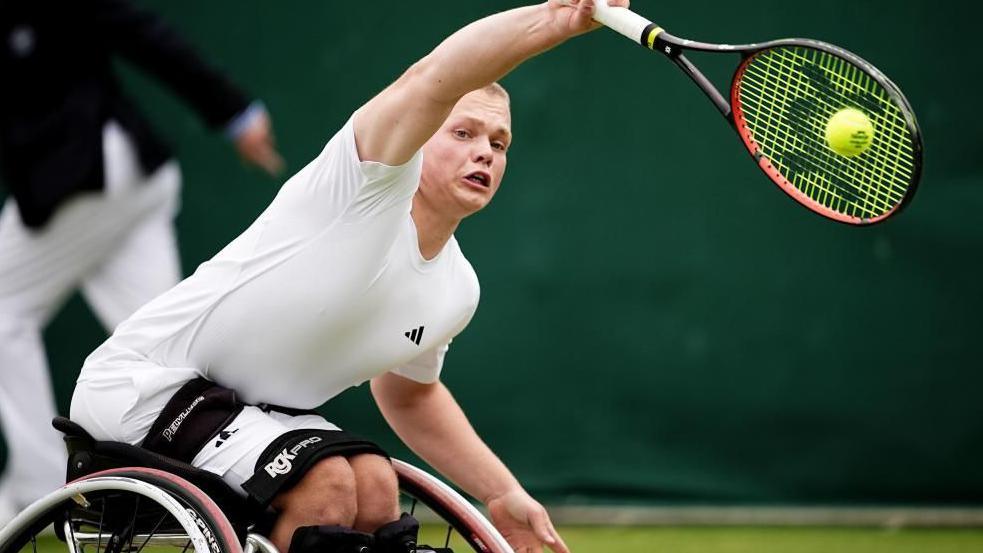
(849,132)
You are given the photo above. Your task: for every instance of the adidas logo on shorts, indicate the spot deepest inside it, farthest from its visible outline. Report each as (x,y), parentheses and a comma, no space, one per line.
(224,435)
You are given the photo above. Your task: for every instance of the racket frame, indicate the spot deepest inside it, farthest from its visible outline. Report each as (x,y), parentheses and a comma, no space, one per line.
(651,36)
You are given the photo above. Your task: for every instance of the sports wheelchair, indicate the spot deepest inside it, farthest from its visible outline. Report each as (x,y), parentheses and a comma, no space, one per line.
(124,499)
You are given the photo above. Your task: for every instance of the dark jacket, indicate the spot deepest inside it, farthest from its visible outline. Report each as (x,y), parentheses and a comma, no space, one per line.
(58,91)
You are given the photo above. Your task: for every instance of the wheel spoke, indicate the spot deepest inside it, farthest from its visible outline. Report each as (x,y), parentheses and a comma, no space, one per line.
(133,521)
(152,532)
(102,515)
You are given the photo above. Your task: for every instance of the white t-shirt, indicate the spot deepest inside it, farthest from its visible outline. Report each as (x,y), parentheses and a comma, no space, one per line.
(325,290)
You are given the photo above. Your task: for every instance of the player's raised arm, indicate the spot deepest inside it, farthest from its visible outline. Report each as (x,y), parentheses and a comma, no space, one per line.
(391,127)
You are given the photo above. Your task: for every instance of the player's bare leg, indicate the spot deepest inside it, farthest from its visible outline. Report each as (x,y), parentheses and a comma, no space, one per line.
(378,492)
(324,496)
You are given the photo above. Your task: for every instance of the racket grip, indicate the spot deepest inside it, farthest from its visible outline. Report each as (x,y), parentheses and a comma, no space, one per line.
(621,20)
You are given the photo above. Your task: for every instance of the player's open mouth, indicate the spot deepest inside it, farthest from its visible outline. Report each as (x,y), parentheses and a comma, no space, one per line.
(479,178)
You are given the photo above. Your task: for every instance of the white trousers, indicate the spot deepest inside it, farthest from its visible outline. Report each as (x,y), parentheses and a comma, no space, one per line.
(118,246)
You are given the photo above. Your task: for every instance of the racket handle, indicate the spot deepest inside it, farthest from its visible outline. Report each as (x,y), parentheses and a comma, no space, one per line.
(621,20)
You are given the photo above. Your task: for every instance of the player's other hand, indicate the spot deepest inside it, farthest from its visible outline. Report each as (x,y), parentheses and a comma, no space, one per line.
(256,146)
(524,523)
(574,17)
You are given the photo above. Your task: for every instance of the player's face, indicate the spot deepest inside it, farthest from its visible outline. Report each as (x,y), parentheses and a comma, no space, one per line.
(463,163)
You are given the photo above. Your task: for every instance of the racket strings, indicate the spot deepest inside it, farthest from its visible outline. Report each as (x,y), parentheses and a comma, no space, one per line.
(788,94)
(806,156)
(800,115)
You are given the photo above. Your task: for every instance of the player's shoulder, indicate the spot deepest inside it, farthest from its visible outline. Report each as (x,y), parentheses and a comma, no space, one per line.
(454,252)
(462,267)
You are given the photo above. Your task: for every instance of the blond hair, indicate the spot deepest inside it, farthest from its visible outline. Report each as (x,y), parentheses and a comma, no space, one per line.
(495,89)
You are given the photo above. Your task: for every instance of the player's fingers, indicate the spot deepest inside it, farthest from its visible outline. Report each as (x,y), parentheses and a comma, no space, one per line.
(539,521)
(557,545)
(585,12)
(527,548)
(583,20)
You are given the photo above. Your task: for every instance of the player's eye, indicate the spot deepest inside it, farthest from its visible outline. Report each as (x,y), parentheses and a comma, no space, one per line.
(499,145)
(462,133)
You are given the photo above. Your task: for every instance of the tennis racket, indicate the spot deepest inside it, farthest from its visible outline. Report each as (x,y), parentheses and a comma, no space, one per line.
(782,99)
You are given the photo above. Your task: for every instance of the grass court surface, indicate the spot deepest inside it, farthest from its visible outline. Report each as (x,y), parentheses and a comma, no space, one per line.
(772,540)
(739,540)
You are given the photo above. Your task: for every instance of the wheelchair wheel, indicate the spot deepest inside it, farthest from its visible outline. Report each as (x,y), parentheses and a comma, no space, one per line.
(449,520)
(126,510)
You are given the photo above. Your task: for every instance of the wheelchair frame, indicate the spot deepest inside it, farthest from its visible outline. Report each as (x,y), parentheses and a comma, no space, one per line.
(203,524)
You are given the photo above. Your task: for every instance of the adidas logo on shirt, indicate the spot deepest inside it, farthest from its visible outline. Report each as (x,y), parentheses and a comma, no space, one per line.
(415,335)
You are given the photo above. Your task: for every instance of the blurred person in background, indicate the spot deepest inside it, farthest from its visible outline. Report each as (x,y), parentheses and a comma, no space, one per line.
(92,193)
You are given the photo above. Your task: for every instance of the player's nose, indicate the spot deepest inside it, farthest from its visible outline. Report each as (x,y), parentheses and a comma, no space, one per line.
(483,153)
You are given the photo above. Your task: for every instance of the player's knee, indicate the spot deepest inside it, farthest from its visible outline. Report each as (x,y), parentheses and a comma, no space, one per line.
(326,495)
(378,491)
(334,491)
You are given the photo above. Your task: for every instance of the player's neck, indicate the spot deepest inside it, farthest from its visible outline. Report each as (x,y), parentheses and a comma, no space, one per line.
(433,229)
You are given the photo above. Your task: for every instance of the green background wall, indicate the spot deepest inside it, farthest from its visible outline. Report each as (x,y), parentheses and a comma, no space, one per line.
(658,322)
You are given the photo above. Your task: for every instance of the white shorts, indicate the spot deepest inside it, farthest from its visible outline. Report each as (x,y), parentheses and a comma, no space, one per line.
(117,411)
(233,453)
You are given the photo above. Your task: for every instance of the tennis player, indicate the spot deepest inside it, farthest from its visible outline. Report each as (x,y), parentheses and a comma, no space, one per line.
(352,274)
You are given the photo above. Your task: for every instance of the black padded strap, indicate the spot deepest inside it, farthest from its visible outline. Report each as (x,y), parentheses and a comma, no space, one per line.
(285,461)
(398,536)
(334,539)
(195,415)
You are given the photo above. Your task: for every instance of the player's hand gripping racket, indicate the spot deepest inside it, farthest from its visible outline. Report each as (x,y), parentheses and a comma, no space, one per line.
(826,126)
